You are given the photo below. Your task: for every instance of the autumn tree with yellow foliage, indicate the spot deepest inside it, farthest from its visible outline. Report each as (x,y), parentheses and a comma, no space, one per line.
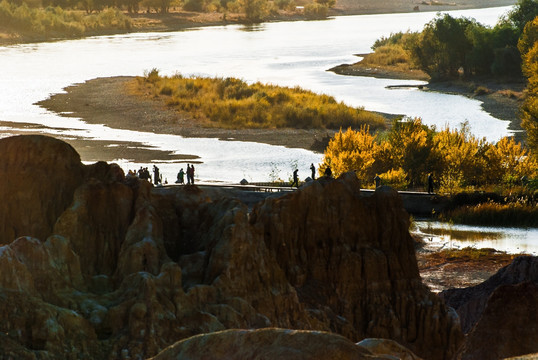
(528,47)
(352,151)
(411,150)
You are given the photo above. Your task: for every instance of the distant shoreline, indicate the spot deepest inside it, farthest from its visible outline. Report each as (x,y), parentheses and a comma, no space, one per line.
(177,20)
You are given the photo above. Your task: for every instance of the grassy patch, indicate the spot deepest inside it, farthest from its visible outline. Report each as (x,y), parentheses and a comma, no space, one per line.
(462,235)
(232,103)
(56,22)
(494,214)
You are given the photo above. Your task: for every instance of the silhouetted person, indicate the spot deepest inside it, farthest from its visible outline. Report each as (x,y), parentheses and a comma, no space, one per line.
(192,174)
(430,183)
(313,169)
(180,177)
(156,175)
(377,180)
(188,174)
(328,172)
(295,178)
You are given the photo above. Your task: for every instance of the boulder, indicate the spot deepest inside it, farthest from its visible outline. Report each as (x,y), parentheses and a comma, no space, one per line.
(499,315)
(470,302)
(267,343)
(508,326)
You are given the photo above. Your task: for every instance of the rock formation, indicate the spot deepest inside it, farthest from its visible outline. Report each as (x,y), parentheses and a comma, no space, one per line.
(99,266)
(269,343)
(499,315)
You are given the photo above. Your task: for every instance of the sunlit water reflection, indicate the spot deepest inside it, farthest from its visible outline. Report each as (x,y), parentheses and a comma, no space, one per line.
(284,53)
(454,236)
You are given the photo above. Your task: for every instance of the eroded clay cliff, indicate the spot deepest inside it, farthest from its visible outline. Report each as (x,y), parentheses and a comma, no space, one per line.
(98,266)
(499,315)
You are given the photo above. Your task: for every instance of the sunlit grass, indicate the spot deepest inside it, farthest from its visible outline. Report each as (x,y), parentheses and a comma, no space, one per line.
(470,254)
(54,21)
(232,103)
(461,235)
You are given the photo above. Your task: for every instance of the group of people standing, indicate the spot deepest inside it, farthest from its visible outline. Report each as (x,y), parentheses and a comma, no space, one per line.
(190,175)
(144,174)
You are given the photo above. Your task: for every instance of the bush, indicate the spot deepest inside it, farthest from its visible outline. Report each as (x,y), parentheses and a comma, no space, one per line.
(395,178)
(316,11)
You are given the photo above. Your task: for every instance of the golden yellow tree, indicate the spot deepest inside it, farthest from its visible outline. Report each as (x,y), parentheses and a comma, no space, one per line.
(510,161)
(528,45)
(351,151)
(409,146)
(461,160)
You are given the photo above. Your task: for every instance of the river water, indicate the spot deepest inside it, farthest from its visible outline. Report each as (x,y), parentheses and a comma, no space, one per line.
(284,53)
(456,236)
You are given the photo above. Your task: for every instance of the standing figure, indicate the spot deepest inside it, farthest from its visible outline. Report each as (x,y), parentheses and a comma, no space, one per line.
(192,174)
(430,183)
(156,175)
(295,178)
(377,180)
(313,169)
(328,172)
(188,174)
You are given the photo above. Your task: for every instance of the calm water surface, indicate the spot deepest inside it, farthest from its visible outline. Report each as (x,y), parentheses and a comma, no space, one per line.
(285,53)
(454,236)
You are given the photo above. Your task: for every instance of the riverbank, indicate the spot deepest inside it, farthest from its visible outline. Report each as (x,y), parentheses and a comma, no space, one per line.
(177,19)
(501,98)
(111,101)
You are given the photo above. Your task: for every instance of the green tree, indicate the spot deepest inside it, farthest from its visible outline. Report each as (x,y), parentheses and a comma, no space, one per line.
(480,57)
(522,13)
(442,47)
(255,10)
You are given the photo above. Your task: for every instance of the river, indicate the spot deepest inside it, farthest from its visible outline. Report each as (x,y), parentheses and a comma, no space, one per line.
(283,53)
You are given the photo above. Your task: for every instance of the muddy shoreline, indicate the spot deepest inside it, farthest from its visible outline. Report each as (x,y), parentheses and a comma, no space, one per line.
(108,101)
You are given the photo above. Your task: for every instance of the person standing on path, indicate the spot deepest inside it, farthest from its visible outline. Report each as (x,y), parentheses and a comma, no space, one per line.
(377,180)
(188,174)
(192,174)
(156,175)
(295,178)
(430,183)
(313,169)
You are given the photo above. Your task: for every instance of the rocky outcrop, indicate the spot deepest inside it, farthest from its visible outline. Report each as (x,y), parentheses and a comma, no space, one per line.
(499,315)
(471,302)
(508,325)
(268,343)
(107,267)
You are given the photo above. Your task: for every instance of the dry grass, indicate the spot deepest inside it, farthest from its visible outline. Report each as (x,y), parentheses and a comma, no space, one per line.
(232,103)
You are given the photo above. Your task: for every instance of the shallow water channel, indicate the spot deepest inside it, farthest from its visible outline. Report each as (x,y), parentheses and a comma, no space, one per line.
(283,53)
(441,235)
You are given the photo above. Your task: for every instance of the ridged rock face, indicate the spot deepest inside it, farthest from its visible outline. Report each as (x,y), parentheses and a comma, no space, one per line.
(499,315)
(120,269)
(352,263)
